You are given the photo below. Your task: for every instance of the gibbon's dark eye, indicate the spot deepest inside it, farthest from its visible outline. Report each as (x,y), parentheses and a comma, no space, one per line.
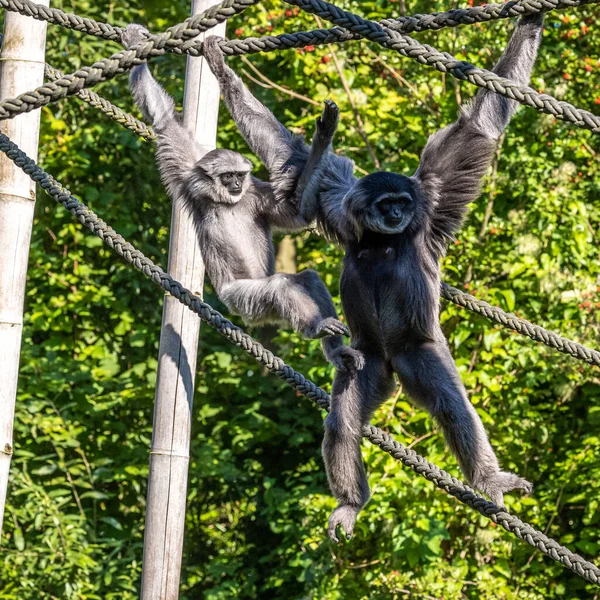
(226,178)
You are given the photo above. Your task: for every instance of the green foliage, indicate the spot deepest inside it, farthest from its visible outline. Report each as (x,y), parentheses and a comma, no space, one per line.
(258,500)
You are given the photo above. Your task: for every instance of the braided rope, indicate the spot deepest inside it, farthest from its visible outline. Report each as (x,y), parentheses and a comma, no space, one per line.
(409,24)
(522,326)
(109,109)
(446,63)
(296,380)
(187,29)
(58,17)
(478,14)
(175,39)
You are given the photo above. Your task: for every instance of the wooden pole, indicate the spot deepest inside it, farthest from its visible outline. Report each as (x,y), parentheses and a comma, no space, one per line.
(169,455)
(21,69)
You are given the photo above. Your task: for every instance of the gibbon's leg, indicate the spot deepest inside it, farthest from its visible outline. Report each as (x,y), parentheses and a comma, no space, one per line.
(300,299)
(429,376)
(307,190)
(354,397)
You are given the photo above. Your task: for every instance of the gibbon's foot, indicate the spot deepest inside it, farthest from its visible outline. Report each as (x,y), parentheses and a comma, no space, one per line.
(500,483)
(345,516)
(213,54)
(328,121)
(133,34)
(328,326)
(347,359)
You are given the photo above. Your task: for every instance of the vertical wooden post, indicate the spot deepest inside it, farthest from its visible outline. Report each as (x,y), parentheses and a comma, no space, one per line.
(169,455)
(21,69)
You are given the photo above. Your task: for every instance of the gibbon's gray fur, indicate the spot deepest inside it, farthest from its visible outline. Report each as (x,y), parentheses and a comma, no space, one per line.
(235,214)
(394,230)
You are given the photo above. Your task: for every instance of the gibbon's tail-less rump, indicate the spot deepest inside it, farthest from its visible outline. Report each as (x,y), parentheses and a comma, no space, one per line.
(394,230)
(234,215)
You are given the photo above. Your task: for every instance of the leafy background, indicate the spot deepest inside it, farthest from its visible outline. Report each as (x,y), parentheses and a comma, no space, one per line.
(257,499)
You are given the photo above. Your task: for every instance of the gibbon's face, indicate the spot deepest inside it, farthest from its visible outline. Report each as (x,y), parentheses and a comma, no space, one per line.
(382,202)
(393,212)
(233,181)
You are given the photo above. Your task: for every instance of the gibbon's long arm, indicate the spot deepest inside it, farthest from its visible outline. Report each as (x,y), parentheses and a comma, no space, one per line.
(176,150)
(456,158)
(265,135)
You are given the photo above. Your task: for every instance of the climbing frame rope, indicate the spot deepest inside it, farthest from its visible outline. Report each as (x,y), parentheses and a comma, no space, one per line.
(178,39)
(296,380)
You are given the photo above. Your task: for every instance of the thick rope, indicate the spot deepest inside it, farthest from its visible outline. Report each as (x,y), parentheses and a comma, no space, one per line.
(109,109)
(187,29)
(408,24)
(175,39)
(522,326)
(294,379)
(446,63)
(58,17)
(478,14)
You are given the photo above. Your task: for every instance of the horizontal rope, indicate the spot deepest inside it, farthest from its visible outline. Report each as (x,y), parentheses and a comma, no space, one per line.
(59,17)
(187,29)
(478,14)
(296,380)
(446,63)
(174,39)
(408,24)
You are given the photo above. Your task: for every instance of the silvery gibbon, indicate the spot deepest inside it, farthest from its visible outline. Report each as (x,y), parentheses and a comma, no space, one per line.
(235,214)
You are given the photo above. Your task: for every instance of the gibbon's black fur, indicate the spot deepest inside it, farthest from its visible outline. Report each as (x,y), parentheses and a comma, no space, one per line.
(235,214)
(394,230)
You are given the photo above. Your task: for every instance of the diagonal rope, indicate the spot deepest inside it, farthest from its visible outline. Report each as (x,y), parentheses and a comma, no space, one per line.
(522,326)
(278,367)
(106,107)
(446,63)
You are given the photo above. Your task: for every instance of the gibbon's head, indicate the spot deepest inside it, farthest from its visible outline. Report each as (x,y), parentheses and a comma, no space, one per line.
(383,203)
(229,175)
